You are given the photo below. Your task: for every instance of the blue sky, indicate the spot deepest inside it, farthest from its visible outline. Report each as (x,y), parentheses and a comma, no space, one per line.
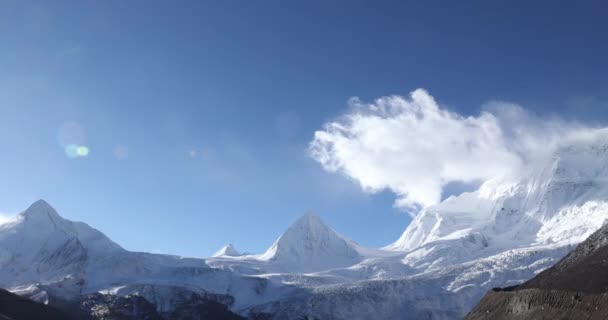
(198,115)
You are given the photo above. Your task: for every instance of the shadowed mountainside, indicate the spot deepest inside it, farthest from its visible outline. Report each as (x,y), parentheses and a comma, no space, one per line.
(574,288)
(14,307)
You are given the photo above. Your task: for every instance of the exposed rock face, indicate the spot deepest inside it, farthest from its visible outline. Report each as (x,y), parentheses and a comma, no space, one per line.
(105,307)
(541,304)
(575,288)
(99,306)
(197,308)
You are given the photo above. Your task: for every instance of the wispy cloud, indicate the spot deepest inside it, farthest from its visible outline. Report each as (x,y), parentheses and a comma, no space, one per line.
(415,147)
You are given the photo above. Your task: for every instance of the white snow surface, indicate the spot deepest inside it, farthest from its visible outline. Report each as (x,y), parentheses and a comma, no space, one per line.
(227,251)
(446,260)
(309,245)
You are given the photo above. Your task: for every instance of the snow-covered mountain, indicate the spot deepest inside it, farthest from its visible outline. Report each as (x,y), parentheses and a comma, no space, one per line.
(227,251)
(309,245)
(39,244)
(448,257)
(43,254)
(542,208)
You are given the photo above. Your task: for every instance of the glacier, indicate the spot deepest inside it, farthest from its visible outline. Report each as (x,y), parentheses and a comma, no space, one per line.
(450,255)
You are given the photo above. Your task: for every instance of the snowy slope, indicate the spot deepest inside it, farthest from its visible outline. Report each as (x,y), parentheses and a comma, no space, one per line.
(39,244)
(562,200)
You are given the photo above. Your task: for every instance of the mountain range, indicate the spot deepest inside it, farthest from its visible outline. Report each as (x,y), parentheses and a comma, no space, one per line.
(502,234)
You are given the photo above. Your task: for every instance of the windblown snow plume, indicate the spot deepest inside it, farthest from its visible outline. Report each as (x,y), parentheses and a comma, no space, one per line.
(414,147)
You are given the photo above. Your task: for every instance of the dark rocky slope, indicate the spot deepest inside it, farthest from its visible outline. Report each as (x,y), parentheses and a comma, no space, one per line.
(574,288)
(110,307)
(14,307)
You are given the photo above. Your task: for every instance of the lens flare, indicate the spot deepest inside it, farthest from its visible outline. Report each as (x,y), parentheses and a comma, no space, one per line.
(71,136)
(82,151)
(76,151)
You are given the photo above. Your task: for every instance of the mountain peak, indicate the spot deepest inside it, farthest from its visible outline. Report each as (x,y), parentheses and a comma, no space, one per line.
(310,245)
(309,223)
(309,220)
(40,203)
(41,210)
(227,251)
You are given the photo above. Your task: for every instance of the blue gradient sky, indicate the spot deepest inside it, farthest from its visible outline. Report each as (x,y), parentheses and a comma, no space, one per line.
(198,114)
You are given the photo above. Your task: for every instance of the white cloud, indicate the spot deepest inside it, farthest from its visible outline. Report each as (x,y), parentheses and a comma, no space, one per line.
(6,217)
(414,147)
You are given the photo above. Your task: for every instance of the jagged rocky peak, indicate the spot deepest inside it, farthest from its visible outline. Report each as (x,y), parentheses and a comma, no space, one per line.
(309,244)
(227,251)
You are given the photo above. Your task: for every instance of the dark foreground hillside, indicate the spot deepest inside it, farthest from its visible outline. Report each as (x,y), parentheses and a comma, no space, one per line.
(14,307)
(574,288)
(108,307)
